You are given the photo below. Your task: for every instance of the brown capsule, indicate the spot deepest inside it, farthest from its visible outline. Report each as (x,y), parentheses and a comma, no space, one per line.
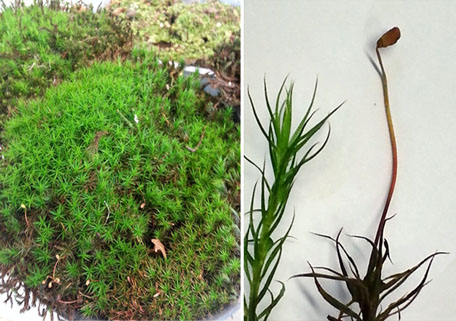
(389,38)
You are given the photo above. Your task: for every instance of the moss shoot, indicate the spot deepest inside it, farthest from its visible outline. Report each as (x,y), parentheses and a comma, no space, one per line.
(121,154)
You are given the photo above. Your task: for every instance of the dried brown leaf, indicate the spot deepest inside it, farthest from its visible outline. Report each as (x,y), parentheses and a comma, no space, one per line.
(118,11)
(159,247)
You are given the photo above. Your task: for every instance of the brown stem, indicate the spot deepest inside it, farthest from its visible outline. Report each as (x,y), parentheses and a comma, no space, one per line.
(67,302)
(381,225)
(26,220)
(53,271)
(199,143)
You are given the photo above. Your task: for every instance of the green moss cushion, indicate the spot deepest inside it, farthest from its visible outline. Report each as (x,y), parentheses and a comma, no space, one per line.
(120,155)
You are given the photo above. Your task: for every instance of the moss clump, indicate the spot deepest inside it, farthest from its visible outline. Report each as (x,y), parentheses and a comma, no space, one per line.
(98,167)
(178,30)
(226,62)
(41,45)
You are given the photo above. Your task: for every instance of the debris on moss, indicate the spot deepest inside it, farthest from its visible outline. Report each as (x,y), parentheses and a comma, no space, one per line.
(226,63)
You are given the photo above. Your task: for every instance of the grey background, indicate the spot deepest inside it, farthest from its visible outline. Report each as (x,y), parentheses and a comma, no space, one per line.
(346,185)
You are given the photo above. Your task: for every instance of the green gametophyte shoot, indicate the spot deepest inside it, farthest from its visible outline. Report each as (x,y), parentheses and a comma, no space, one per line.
(261,253)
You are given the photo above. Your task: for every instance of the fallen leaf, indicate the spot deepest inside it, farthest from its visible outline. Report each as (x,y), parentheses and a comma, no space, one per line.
(118,11)
(159,247)
(143,205)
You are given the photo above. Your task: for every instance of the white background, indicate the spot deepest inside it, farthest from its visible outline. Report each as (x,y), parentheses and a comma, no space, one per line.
(346,185)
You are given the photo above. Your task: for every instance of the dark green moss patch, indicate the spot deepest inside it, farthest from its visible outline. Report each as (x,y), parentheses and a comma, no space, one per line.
(121,154)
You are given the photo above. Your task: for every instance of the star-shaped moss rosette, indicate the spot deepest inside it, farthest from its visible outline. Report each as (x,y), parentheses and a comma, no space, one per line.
(370,291)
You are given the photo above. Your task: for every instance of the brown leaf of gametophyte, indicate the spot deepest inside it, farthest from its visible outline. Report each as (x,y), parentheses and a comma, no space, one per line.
(159,247)
(93,147)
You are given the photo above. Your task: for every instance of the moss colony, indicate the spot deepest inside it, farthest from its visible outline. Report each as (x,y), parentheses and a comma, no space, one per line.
(120,155)
(180,30)
(41,46)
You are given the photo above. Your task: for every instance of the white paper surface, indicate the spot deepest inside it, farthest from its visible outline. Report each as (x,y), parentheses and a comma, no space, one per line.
(346,185)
